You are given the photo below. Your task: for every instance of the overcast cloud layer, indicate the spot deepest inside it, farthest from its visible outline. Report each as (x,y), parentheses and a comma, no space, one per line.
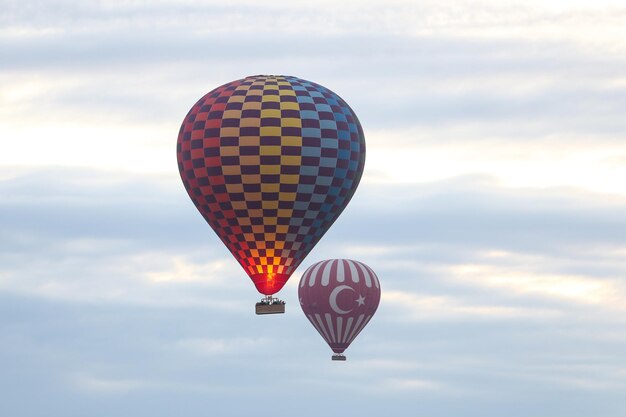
(493,209)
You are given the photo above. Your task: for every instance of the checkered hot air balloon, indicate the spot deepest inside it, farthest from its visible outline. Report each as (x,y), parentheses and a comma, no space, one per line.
(339,297)
(270,162)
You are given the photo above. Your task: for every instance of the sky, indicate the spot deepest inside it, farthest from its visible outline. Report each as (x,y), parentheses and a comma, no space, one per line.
(492,208)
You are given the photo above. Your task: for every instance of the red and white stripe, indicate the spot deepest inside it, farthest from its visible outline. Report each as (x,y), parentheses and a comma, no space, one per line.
(335,332)
(342,270)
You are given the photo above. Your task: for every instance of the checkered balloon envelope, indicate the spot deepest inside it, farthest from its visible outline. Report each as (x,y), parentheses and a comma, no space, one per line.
(270,161)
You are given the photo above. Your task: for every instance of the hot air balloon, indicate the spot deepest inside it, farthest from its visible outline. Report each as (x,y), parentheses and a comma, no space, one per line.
(339,297)
(270,161)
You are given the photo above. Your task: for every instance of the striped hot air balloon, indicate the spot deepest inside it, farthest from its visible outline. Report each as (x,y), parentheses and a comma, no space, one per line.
(339,297)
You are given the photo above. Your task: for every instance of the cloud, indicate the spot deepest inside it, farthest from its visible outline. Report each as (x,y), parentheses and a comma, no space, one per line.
(142,303)
(483,215)
(429,307)
(143,234)
(582,289)
(212,346)
(411,385)
(100,385)
(466,307)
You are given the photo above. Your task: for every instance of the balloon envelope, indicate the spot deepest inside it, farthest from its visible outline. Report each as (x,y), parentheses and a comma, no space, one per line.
(339,297)
(270,162)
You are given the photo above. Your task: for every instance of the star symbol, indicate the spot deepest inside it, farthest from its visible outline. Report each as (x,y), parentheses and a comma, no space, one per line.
(361,300)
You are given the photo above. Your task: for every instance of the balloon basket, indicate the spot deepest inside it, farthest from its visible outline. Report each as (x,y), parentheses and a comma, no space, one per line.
(270,305)
(339,357)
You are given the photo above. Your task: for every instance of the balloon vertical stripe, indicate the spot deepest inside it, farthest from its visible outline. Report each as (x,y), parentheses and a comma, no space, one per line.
(363,274)
(322,327)
(317,327)
(371,274)
(339,327)
(340,270)
(331,328)
(326,272)
(357,327)
(348,327)
(311,274)
(353,274)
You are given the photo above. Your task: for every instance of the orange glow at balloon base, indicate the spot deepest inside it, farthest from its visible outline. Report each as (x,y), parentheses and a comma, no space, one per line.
(269,283)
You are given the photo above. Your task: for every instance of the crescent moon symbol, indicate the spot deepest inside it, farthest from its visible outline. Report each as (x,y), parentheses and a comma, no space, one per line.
(332,299)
